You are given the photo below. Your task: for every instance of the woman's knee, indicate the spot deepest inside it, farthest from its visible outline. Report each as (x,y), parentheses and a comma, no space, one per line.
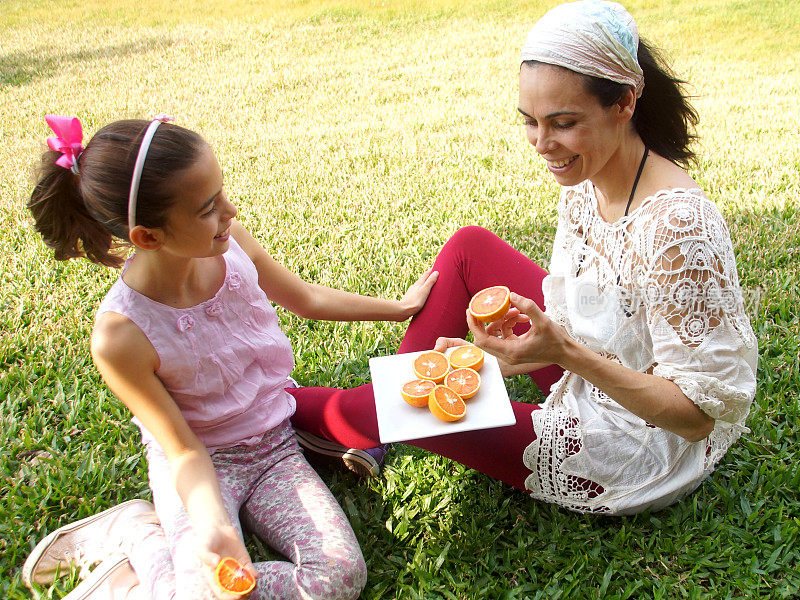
(470,237)
(465,243)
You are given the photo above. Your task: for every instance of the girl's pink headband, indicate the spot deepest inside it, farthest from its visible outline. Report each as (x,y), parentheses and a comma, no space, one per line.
(139,166)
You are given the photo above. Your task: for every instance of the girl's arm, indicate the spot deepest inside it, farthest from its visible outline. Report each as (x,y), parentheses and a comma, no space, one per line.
(128,362)
(313,301)
(657,400)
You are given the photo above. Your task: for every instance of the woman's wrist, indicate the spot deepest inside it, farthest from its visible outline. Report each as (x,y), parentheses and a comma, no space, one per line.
(573,356)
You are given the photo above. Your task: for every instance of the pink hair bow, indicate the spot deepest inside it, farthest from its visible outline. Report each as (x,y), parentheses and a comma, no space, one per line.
(68,138)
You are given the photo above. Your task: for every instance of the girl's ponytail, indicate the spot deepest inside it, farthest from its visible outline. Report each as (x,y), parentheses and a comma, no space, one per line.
(62,218)
(80,201)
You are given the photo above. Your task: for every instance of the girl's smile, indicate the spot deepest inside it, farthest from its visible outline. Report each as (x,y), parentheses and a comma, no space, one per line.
(199,223)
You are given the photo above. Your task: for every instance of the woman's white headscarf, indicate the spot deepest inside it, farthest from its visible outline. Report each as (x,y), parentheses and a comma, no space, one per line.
(592,37)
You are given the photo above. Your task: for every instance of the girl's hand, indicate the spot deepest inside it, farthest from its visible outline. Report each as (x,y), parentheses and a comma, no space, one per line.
(216,543)
(414,298)
(544,342)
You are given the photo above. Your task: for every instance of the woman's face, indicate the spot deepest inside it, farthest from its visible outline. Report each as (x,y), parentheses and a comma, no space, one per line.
(566,124)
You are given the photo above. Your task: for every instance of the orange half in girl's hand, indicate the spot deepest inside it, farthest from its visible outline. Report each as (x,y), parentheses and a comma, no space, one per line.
(234,578)
(446,405)
(416,392)
(431,365)
(464,382)
(470,357)
(490,304)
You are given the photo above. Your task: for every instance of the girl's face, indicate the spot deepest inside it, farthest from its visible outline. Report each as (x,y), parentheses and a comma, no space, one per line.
(566,124)
(198,224)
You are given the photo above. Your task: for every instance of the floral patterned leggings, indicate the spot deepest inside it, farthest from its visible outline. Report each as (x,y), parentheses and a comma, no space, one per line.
(280,499)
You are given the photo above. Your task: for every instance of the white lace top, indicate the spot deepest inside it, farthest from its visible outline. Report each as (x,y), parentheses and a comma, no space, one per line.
(658,292)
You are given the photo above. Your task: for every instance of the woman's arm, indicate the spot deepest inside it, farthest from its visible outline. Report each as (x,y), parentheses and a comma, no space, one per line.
(128,362)
(655,399)
(313,301)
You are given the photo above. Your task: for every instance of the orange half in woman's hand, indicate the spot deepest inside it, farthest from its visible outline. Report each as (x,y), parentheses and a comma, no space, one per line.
(490,304)
(234,578)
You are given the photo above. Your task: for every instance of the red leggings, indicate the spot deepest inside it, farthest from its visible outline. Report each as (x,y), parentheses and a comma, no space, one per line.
(471,260)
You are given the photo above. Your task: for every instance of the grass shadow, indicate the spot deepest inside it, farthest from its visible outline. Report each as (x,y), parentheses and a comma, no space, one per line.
(24,67)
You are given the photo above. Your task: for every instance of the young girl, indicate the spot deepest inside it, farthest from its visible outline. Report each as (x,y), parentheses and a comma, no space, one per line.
(188,340)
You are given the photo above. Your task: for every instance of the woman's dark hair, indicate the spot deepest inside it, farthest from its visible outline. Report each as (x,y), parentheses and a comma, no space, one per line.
(663,118)
(81,214)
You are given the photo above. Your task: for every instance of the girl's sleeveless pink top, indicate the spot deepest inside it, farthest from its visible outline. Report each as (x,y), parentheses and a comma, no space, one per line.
(225,361)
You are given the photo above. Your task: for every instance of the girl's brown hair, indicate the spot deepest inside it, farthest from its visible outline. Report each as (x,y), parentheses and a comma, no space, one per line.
(82,214)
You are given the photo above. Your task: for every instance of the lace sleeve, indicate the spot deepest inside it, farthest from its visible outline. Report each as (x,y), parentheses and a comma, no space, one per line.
(702,339)
(553,285)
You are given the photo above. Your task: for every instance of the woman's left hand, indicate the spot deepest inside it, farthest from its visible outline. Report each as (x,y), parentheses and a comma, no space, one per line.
(544,342)
(414,298)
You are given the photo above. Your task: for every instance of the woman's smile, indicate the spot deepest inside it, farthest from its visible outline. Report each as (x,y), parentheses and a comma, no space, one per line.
(563,165)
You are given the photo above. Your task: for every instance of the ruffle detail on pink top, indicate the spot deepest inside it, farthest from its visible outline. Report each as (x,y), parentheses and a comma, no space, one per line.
(227,364)
(185,323)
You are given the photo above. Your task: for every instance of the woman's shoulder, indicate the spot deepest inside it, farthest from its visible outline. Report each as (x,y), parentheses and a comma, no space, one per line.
(680,211)
(574,200)
(668,186)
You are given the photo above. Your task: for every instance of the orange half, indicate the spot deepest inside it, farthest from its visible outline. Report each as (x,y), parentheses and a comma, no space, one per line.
(446,405)
(416,392)
(490,304)
(464,382)
(431,365)
(469,357)
(233,577)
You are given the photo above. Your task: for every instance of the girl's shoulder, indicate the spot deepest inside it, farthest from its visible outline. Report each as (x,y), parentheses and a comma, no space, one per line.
(115,338)
(244,241)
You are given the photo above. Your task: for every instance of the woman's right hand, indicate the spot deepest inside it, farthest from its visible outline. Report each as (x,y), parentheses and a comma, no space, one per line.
(544,343)
(443,343)
(216,543)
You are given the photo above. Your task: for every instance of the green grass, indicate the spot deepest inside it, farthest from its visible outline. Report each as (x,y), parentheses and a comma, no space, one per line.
(355,139)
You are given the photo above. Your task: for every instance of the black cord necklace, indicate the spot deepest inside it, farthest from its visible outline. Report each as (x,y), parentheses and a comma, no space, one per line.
(627,208)
(636,181)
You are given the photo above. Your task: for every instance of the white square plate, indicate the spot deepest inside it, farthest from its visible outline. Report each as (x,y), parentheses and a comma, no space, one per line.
(398,421)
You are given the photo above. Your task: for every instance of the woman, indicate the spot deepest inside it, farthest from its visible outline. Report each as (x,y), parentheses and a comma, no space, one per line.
(645,328)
